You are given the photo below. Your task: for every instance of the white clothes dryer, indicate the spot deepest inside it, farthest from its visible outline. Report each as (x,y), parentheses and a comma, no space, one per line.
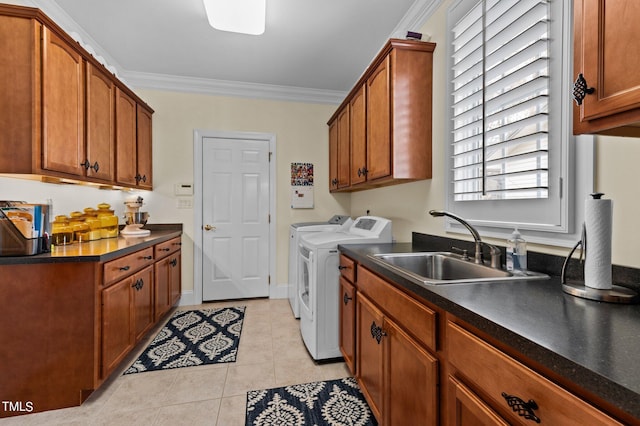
(296,231)
(319,287)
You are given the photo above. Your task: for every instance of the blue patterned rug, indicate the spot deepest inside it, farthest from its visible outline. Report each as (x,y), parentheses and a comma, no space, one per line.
(190,338)
(335,402)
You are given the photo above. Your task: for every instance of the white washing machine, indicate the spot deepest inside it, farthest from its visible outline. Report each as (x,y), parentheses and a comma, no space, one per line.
(296,231)
(319,286)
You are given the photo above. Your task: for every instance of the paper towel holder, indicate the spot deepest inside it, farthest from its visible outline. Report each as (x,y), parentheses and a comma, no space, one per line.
(616,294)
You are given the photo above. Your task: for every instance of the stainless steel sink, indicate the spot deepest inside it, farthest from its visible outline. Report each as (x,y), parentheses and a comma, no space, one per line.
(438,268)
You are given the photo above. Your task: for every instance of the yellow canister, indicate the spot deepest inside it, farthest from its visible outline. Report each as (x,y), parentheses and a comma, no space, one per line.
(109,222)
(61,231)
(95,227)
(81,232)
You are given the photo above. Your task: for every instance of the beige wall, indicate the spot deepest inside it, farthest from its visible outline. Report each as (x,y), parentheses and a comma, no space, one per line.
(301,136)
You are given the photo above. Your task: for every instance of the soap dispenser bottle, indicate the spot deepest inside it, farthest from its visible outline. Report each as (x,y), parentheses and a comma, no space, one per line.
(516,252)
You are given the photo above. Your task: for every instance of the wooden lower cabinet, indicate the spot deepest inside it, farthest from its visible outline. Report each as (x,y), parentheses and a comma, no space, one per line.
(175,283)
(406,362)
(143,301)
(167,283)
(418,364)
(506,389)
(348,323)
(388,361)
(369,350)
(117,324)
(127,314)
(467,408)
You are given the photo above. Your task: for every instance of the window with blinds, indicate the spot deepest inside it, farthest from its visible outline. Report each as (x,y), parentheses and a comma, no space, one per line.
(500,94)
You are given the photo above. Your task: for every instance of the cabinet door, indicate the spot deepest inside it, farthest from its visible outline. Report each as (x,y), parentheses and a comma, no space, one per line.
(467,409)
(358,137)
(608,28)
(369,352)
(348,323)
(407,362)
(143,301)
(117,324)
(126,149)
(100,125)
(343,148)
(144,151)
(333,155)
(162,281)
(175,282)
(62,106)
(379,122)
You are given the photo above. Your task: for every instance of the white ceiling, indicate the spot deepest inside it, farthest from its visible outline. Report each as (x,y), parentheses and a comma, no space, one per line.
(319,47)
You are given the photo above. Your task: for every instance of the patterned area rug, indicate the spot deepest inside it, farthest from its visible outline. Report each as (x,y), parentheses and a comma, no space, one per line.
(191,338)
(335,403)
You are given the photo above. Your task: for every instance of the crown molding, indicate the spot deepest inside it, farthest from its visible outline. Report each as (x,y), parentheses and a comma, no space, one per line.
(207,86)
(416,17)
(413,20)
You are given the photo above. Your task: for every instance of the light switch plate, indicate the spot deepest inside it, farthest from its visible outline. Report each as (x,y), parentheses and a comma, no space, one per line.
(184,203)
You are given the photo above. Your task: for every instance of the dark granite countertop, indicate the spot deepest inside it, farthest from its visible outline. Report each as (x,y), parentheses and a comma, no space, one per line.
(100,250)
(595,345)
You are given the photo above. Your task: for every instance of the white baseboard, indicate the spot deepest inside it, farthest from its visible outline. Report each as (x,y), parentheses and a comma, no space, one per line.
(279,291)
(187,298)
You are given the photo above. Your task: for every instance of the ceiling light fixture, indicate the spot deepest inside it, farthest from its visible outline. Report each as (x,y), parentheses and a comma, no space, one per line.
(238,16)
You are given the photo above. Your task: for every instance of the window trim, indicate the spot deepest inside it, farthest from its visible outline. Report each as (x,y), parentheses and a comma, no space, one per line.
(575,172)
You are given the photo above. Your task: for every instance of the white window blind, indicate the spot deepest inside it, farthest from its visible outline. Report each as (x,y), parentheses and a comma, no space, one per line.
(500,97)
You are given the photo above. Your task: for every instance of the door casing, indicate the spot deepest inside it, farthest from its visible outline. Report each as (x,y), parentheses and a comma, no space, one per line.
(198,136)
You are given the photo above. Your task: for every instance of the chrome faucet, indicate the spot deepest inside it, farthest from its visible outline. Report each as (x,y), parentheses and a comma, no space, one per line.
(493,250)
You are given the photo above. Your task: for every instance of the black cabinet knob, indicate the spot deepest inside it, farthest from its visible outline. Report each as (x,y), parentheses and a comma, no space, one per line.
(581,89)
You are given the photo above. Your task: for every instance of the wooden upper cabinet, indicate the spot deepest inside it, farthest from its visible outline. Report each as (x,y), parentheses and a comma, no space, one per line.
(358,136)
(333,155)
(58,108)
(62,106)
(343,148)
(144,150)
(390,117)
(126,148)
(133,142)
(100,158)
(605,34)
(379,122)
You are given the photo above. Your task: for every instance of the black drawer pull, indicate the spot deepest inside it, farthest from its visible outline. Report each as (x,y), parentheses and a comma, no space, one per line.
(125,268)
(377,332)
(174,262)
(165,249)
(343,267)
(147,257)
(177,244)
(346,298)
(523,409)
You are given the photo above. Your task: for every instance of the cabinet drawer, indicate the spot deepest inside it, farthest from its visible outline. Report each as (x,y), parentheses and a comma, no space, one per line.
(347,268)
(416,318)
(127,265)
(168,247)
(498,377)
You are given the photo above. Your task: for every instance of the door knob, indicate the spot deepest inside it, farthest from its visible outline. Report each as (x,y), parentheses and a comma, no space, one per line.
(209,228)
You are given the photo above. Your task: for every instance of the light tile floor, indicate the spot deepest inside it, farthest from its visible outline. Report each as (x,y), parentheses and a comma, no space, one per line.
(271,354)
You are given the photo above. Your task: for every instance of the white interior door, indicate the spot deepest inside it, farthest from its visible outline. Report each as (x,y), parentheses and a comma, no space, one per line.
(235,218)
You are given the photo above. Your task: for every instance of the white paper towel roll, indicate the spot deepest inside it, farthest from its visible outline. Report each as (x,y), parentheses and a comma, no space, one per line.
(598,214)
